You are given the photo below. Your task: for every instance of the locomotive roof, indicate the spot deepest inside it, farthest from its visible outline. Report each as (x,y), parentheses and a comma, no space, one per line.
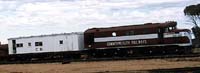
(47,35)
(129,27)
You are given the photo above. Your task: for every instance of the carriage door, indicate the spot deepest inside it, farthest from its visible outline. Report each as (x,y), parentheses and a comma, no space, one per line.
(89,40)
(14,46)
(161,35)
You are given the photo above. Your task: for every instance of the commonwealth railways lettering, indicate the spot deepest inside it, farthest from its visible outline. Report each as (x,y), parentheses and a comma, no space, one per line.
(121,43)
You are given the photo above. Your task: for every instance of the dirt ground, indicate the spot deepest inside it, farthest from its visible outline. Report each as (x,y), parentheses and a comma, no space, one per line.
(102,66)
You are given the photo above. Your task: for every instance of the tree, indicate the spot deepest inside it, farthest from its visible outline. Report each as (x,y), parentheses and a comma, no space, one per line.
(193,13)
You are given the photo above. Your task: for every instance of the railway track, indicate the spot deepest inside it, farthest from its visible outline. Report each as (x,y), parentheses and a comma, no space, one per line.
(173,70)
(139,57)
(101,59)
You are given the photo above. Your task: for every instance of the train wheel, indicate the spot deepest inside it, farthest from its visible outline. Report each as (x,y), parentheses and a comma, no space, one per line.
(150,52)
(93,54)
(104,54)
(176,50)
(163,52)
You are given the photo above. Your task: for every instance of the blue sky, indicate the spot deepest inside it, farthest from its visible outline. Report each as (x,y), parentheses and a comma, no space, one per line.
(35,17)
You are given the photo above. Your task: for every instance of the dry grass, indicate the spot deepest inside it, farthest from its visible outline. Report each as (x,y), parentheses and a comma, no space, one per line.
(90,67)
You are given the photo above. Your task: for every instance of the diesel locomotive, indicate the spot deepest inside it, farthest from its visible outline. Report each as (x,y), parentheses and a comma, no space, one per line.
(144,39)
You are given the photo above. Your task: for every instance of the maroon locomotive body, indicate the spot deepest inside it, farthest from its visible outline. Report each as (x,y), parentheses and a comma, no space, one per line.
(144,37)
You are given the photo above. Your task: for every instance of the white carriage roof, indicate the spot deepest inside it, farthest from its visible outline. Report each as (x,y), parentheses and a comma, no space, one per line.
(79,33)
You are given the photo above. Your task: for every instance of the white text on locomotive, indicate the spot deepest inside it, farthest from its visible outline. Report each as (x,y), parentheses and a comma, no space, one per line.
(121,43)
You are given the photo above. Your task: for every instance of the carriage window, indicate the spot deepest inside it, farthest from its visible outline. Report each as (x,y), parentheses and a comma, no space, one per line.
(61,41)
(114,34)
(41,49)
(19,45)
(38,44)
(170,28)
(29,44)
(166,29)
(38,49)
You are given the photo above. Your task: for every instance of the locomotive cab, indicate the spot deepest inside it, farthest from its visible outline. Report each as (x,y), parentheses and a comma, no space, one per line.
(184,33)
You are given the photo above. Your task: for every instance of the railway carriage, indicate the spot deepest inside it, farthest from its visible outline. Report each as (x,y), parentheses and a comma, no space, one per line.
(145,39)
(53,46)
